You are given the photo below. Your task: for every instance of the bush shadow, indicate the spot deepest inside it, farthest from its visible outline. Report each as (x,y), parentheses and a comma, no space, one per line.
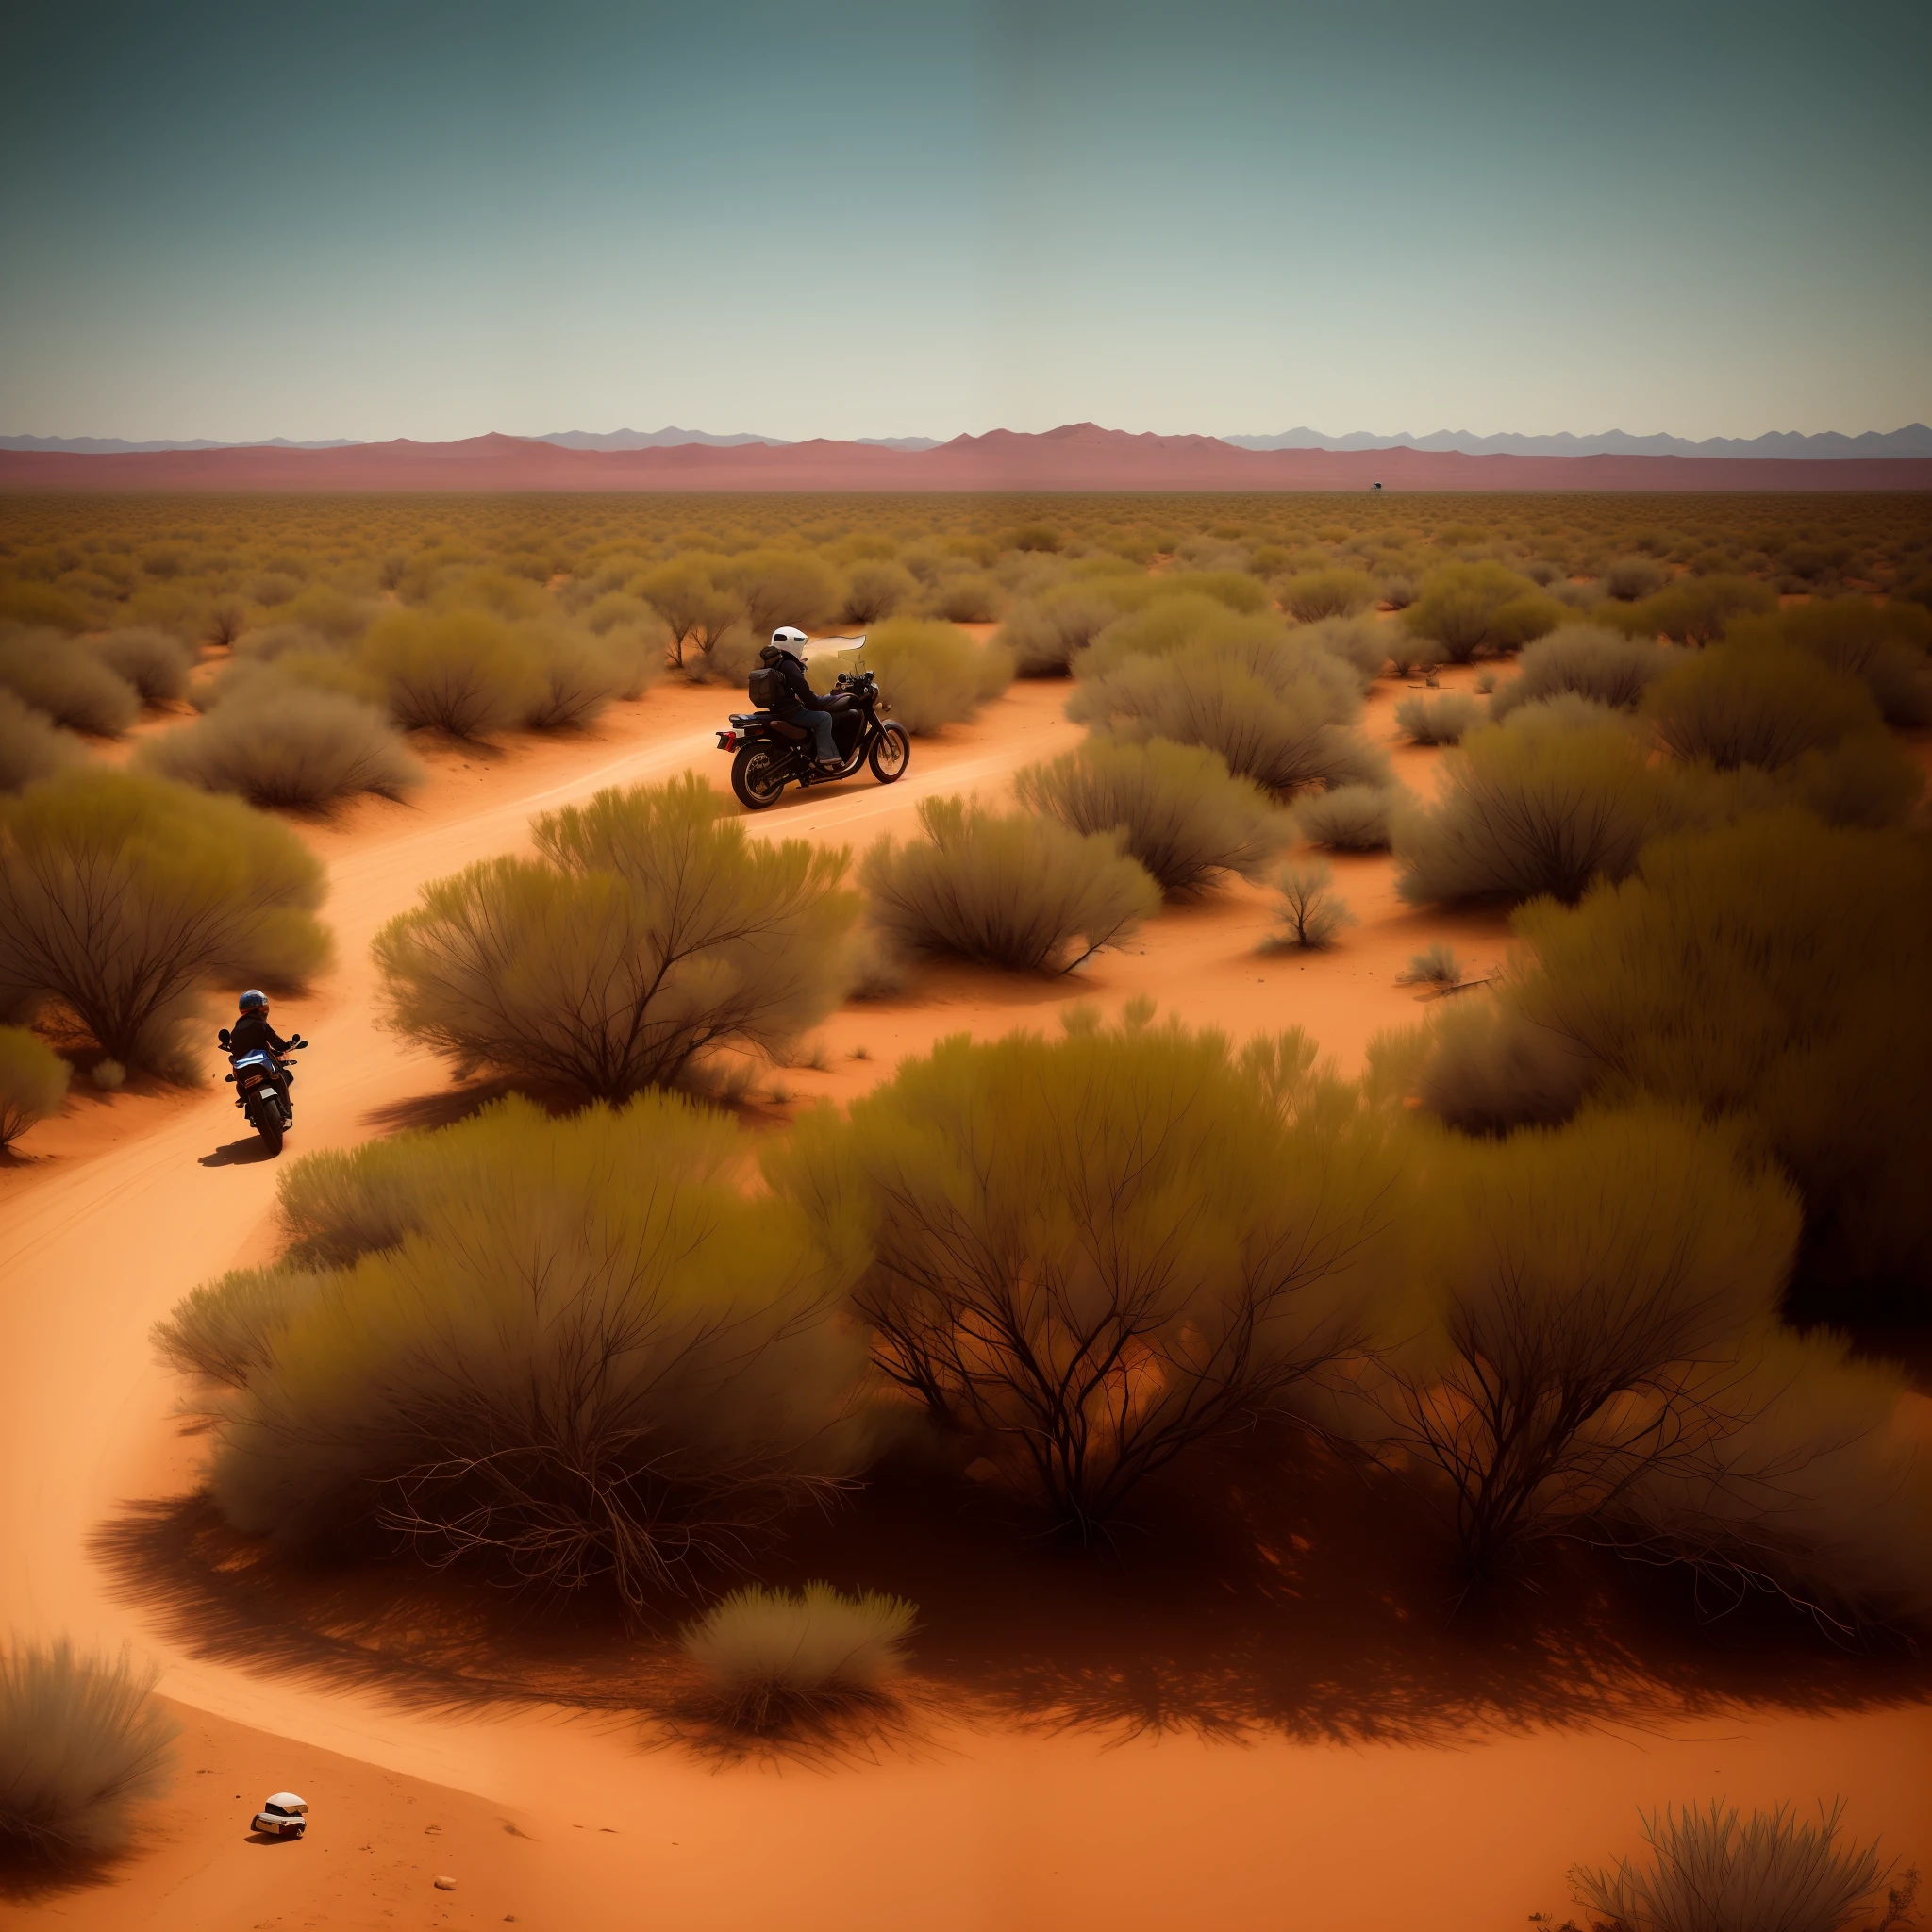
(1277,1595)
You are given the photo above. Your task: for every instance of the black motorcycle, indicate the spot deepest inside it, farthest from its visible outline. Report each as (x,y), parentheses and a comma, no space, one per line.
(261,1090)
(771,753)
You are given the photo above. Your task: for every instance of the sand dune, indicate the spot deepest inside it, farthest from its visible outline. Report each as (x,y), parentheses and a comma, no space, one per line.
(966,1826)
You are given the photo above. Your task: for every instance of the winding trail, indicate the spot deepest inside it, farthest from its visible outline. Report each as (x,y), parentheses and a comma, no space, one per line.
(977,1830)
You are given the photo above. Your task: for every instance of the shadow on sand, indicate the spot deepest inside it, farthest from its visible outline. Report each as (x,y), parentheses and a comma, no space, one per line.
(1310,1605)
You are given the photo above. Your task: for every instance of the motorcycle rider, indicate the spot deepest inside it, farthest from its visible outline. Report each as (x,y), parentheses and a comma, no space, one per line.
(251,1033)
(784,655)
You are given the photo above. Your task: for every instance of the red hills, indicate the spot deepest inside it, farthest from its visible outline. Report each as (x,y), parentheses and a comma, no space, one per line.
(1077,456)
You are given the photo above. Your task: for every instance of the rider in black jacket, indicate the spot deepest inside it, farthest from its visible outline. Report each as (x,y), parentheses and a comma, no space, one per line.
(805,707)
(251,1033)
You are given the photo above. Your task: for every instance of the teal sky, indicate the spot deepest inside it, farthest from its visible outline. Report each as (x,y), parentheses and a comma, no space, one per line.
(923,217)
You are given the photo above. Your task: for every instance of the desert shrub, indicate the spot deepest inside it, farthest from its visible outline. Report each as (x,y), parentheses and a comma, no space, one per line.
(227,1329)
(1589,660)
(1093,1252)
(1018,892)
(1439,719)
(1310,914)
(463,672)
(33,1082)
(1046,634)
(1318,593)
(1395,588)
(1361,642)
(82,1743)
(1178,809)
(784,587)
(770,1660)
(274,747)
(580,676)
(1232,590)
(1351,818)
(1434,965)
(1584,1284)
(293,656)
(697,611)
(1490,1069)
(66,682)
(1695,610)
(932,673)
(154,662)
(1706,1870)
(120,894)
(1467,607)
(109,1076)
(30,746)
(1733,705)
(1631,577)
(1537,804)
(875,588)
(582,1366)
(1275,711)
(1771,970)
(1884,645)
(1866,779)
(1181,623)
(966,597)
(648,931)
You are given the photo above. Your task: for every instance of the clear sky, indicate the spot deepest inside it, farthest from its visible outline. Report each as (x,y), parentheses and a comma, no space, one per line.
(894,217)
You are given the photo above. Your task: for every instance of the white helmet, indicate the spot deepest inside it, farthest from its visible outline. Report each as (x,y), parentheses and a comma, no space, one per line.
(789,638)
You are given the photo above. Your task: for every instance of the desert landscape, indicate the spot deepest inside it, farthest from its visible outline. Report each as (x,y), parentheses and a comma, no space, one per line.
(1315,1221)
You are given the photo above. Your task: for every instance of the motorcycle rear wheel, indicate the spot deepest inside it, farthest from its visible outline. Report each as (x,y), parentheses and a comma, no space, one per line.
(891,752)
(753,778)
(271,1132)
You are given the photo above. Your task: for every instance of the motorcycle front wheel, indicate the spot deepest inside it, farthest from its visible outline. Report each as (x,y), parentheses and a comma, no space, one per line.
(755,776)
(891,752)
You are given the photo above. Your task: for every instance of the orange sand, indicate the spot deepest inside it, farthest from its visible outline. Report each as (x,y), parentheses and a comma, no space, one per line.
(125,1204)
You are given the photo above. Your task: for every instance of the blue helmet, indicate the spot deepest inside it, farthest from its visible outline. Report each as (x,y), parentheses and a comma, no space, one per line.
(253,1002)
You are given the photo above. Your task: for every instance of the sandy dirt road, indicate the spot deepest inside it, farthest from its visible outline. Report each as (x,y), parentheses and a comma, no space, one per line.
(569,1822)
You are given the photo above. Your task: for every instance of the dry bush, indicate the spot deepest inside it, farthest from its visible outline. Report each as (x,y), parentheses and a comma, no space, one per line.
(649,930)
(1178,809)
(30,746)
(294,656)
(1885,645)
(582,1366)
(1318,593)
(1735,704)
(1277,712)
(1467,607)
(463,672)
(1012,890)
(1707,1871)
(274,744)
(1095,1252)
(1439,720)
(1232,590)
(1866,779)
(66,682)
(580,676)
(154,662)
(1361,642)
(933,674)
(1351,818)
(875,588)
(1047,633)
(771,1661)
(1588,660)
(1490,1069)
(1310,914)
(1588,1287)
(1436,965)
(1695,610)
(82,1745)
(1627,578)
(121,894)
(1396,589)
(781,587)
(1772,971)
(1537,804)
(1184,621)
(33,1082)
(966,597)
(696,611)
(226,1330)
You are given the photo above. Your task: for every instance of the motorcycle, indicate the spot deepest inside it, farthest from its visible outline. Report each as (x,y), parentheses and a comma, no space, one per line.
(261,1090)
(770,753)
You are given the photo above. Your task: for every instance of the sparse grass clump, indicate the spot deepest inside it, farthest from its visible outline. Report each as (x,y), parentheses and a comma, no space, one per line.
(933,674)
(1439,719)
(464,672)
(1016,891)
(1179,808)
(30,746)
(1436,965)
(1350,818)
(1709,1871)
(1588,660)
(1046,634)
(33,1082)
(648,931)
(1091,1253)
(1631,577)
(1315,595)
(771,1660)
(586,1362)
(1467,607)
(275,745)
(122,893)
(63,680)
(1310,914)
(154,662)
(82,1745)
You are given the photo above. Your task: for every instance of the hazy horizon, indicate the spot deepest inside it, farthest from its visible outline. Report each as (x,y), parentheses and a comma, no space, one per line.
(880,221)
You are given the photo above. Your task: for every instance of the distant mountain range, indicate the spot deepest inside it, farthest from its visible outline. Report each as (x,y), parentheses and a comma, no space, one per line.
(1075,457)
(1915,439)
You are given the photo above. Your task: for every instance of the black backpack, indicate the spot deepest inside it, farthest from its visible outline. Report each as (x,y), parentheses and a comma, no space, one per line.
(765,688)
